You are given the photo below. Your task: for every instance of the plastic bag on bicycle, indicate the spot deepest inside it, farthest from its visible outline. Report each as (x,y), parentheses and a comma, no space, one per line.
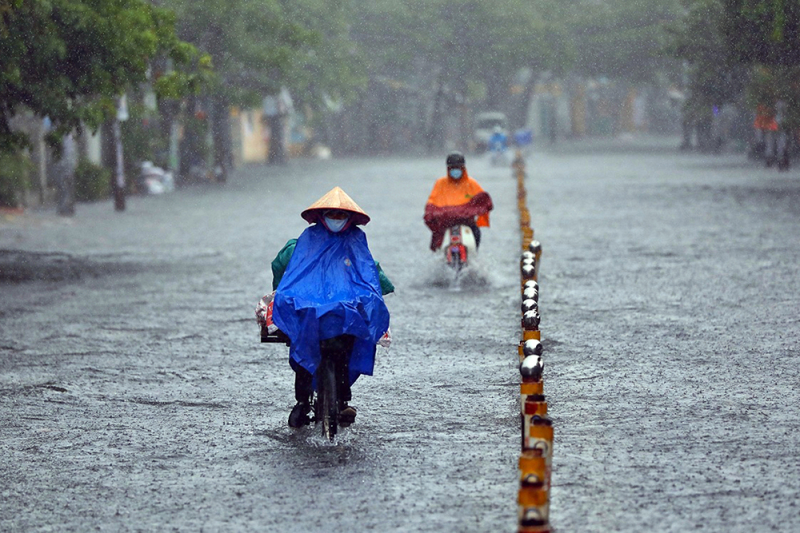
(386,340)
(264,313)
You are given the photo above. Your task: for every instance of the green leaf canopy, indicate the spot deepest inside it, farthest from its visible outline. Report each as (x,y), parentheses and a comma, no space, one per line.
(69,59)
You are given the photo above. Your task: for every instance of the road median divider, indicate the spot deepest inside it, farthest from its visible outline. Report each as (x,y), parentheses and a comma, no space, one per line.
(536,455)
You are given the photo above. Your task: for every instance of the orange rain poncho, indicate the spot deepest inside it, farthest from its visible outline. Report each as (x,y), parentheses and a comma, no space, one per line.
(455,200)
(765,119)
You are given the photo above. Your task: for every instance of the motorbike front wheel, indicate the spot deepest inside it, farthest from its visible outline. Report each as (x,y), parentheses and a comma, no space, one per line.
(457,258)
(326,406)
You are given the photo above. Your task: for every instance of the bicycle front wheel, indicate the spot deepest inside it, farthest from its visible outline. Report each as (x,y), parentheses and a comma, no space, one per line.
(327,406)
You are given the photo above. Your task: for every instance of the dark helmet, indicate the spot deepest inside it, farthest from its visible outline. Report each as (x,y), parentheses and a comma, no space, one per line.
(455,159)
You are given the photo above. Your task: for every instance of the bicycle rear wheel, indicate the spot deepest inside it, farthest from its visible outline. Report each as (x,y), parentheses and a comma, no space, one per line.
(327,404)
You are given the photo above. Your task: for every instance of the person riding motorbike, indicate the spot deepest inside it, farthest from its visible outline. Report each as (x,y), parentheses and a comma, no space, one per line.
(329,296)
(456,199)
(498,145)
(498,142)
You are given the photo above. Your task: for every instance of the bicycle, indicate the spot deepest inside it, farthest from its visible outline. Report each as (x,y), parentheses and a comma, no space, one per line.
(331,372)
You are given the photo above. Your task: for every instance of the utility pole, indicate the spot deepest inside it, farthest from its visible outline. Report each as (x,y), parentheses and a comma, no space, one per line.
(118,179)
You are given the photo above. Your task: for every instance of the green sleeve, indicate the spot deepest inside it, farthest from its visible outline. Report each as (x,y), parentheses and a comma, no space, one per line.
(281,261)
(386,285)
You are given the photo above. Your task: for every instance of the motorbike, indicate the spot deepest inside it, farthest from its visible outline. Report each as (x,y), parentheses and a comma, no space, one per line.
(498,150)
(499,156)
(459,245)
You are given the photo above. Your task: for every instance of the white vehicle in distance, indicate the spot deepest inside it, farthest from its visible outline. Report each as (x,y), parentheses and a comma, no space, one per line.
(485,123)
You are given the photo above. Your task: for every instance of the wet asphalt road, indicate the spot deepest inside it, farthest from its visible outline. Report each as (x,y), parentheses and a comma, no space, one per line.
(135,396)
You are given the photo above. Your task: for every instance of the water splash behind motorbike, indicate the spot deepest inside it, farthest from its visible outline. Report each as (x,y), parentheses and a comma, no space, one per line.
(476,275)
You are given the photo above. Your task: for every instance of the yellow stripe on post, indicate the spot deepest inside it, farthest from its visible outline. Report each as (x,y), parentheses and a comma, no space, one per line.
(535,470)
(528,335)
(532,497)
(533,509)
(533,387)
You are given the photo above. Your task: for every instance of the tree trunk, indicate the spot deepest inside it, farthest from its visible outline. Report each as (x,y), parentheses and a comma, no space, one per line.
(65,177)
(118,176)
(168,110)
(39,156)
(521,120)
(495,91)
(277,152)
(192,148)
(436,130)
(221,131)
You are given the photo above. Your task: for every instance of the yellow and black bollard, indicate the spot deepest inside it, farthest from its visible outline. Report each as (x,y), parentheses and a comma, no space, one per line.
(529,272)
(535,462)
(534,494)
(535,247)
(538,437)
(530,320)
(529,304)
(531,284)
(528,348)
(529,388)
(535,474)
(533,509)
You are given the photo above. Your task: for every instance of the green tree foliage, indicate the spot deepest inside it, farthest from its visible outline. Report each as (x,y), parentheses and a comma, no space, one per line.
(766,35)
(259,46)
(763,31)
(328,64)
(455,55)
(15,171)
(92,182)
(620,38)
(472,40)
(735,47)
(69,59)
(464,40)
(714,75)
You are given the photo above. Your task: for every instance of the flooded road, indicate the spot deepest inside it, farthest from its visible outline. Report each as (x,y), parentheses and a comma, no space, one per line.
(134,394)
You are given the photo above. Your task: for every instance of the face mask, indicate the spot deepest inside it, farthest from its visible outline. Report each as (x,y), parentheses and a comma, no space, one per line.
(455,173)
(335,225)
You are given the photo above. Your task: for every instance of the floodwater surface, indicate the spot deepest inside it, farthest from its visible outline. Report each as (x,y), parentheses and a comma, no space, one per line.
(135,396)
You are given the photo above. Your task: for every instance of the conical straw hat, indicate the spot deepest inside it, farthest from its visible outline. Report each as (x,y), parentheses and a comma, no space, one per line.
(336,198)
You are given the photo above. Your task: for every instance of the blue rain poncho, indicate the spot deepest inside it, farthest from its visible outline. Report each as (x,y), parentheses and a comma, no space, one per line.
(331,288)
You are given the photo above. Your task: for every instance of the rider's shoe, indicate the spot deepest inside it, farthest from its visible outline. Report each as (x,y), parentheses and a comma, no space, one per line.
(299,415)
(347,415)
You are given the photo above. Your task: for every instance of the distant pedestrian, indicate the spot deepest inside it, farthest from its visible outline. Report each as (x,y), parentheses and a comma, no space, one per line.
(783,136)
(765,129)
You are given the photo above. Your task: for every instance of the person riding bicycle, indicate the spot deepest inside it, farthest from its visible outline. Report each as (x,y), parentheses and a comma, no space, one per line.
(329,296)
(456,199)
